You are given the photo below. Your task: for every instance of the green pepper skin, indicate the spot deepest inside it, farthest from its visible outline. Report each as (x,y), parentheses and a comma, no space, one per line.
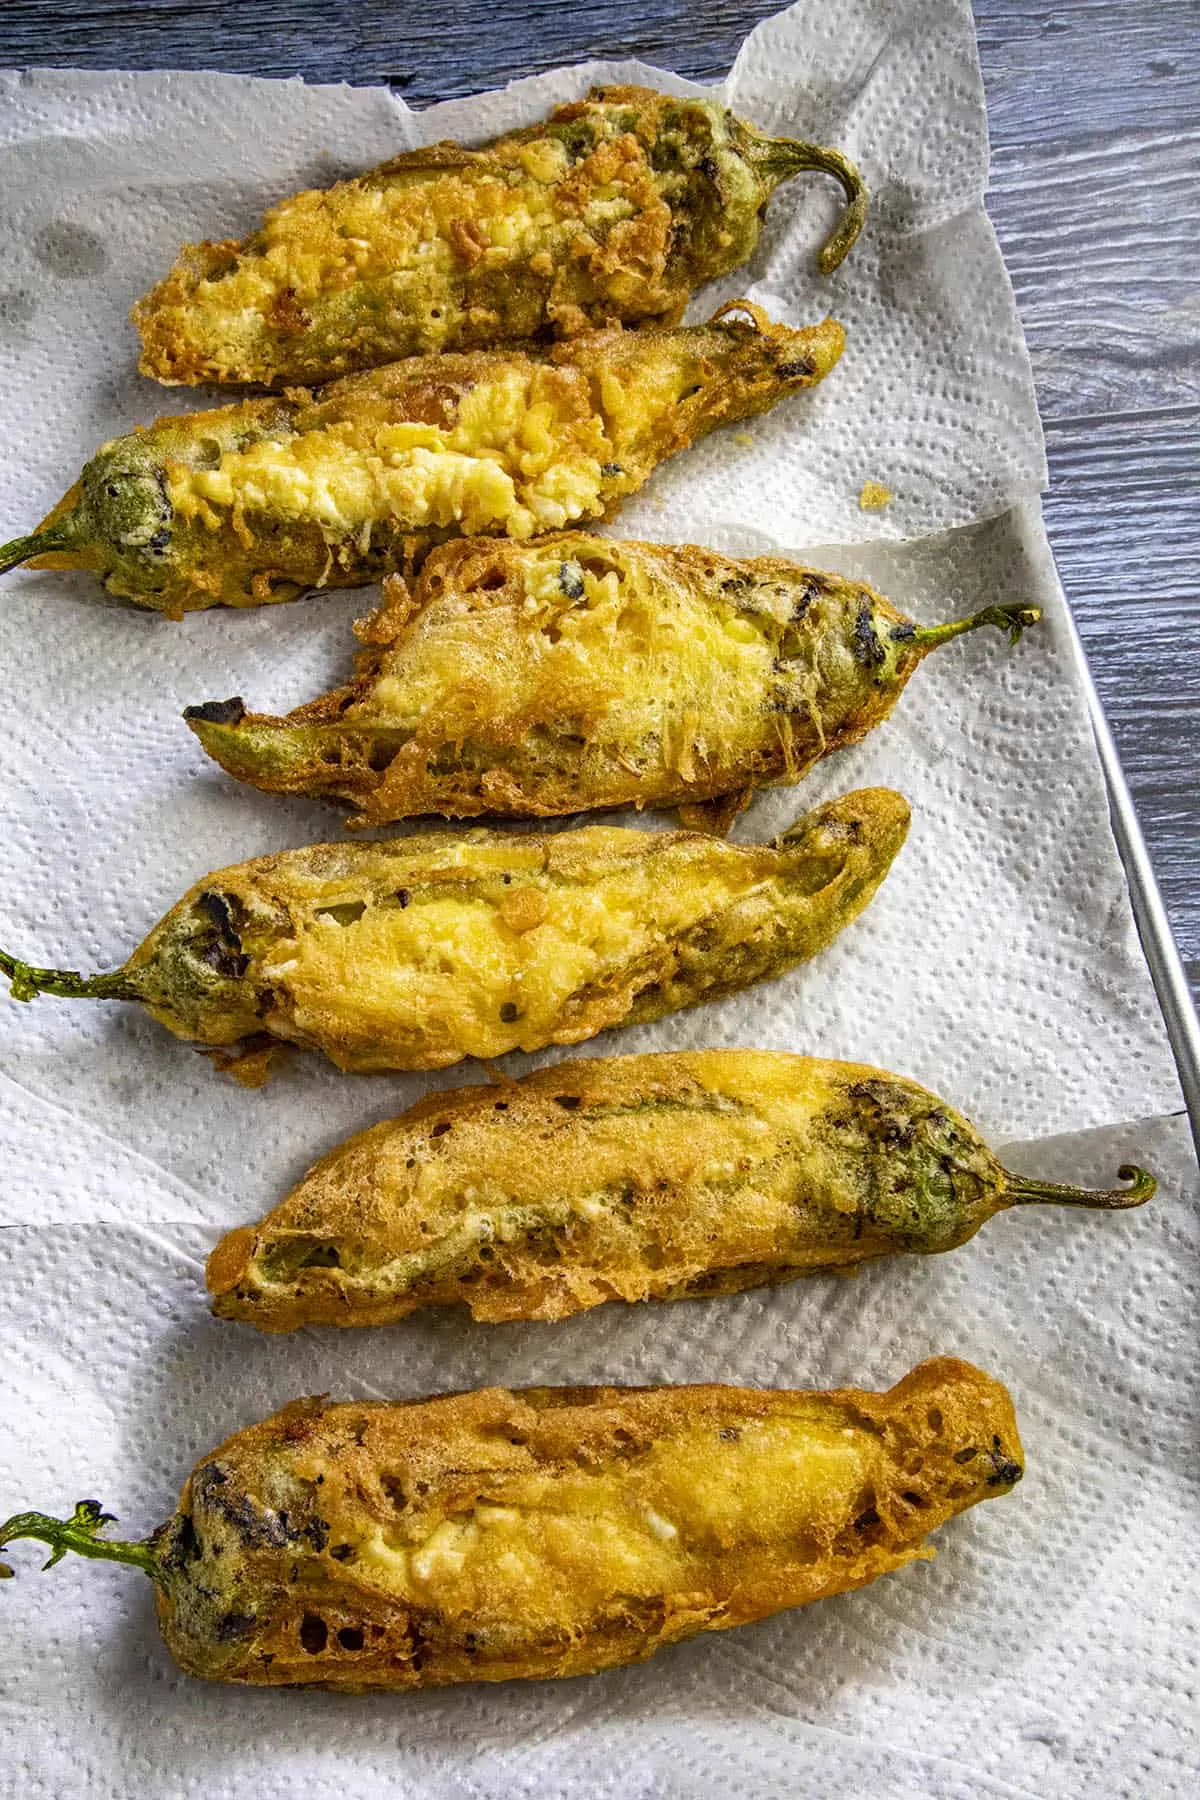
(412,953)
(264,499)
(611,211)
(576,672)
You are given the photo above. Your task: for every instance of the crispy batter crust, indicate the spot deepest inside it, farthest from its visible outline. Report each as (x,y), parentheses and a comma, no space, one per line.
(417,952)
(611,211)
(496,1534)
(259,501)
(642,1177)
(544,678)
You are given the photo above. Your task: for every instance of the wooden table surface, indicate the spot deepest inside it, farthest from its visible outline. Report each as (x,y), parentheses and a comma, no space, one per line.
(1095,119)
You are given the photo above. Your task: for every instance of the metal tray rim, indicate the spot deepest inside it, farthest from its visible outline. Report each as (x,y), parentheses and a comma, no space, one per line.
(1150,915)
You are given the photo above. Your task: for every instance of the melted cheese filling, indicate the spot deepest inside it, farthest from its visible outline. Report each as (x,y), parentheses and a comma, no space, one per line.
(563,1546)
(474,971)
(413,226)
(630,656)
(519,457)
(689,1149)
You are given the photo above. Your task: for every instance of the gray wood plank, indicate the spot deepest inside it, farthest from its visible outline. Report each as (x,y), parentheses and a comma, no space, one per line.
(1095,116)
(1087,67)
(1099,237)
(1135,594)
(1096,160)
(426,49)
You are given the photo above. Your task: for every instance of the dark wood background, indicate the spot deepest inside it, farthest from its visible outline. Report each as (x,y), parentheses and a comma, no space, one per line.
(1095,118)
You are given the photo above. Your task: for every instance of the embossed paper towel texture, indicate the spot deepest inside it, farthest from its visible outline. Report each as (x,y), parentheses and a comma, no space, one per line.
(1049,1651)
(104,175)
(998,963)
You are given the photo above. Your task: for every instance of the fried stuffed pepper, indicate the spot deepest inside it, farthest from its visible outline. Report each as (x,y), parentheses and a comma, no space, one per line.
(415,952)
(611,211)
(577,672)
(556,1531)
(264,499)
(665,1177)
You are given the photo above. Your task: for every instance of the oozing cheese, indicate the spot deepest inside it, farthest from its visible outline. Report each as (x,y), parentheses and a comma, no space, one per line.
(571,1542)
(472,970)
(407,226)
(623,653)
(522,455)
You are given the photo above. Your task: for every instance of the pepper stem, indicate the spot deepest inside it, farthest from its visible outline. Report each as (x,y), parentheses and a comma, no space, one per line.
(80,1533)
(26,982)
(1021,1190)
(781,158)
(1013,619)
(37,544)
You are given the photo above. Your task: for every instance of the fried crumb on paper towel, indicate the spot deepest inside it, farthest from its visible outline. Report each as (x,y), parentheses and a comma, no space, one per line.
(998,965)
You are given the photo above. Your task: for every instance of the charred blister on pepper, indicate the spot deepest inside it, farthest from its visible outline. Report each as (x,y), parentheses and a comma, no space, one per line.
(611,211)
(546,1532)
(416,952)
(666,1177)
(262,500)
(576,672)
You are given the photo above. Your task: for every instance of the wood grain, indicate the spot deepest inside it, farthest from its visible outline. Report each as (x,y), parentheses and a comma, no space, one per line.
(1095,172)
(1095,115)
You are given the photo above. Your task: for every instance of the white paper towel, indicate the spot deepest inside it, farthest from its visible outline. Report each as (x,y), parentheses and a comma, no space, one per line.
(1049,1651)
(106,175)
(998,964)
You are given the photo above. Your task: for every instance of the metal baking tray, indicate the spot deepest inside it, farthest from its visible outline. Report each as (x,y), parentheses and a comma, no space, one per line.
(1154,929)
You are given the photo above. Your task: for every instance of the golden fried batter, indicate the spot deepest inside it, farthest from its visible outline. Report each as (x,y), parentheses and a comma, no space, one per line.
(532,679)
(414,953)
(258,501)
(554,1531)
(627,1178)
(609,212)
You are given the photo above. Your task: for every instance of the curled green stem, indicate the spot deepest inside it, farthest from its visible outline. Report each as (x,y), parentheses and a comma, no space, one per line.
(22,549)
(26,982)
(1012,619)
(781,158)
(80,1533)
(1021,1190)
